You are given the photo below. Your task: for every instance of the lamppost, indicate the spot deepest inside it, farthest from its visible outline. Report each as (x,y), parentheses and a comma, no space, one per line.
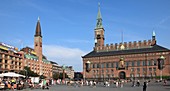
(88,66)
(160,65)
(63,73)
(25,73)
(84,71)
(146,64)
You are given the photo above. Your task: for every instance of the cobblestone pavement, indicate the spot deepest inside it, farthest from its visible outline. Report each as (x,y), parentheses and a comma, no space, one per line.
(126,87)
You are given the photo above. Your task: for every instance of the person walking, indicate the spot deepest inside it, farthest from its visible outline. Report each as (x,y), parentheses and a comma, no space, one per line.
(117,84)
(133,83)
(138,83)
(144,86)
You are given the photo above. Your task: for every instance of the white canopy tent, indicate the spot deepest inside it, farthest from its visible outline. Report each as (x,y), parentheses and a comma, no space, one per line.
(11,74)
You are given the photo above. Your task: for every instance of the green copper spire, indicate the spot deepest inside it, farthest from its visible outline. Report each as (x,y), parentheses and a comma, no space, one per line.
(99,19)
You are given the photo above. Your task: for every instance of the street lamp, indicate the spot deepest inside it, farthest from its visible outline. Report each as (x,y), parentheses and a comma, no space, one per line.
(160,65)
(146,64)
(88,68)
(63,72)
(25,73)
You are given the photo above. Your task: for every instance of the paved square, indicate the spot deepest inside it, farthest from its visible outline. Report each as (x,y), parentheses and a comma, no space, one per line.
(127,87)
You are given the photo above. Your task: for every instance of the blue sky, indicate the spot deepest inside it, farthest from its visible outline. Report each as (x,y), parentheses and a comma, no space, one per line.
(68,25)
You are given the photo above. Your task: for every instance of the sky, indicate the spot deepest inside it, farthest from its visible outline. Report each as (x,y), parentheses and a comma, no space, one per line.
(68,25)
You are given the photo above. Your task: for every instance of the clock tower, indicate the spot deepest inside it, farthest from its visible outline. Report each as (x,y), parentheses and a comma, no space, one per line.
(99,31)
(38,41)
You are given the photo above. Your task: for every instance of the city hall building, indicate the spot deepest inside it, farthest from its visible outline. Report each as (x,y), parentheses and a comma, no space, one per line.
(137,59)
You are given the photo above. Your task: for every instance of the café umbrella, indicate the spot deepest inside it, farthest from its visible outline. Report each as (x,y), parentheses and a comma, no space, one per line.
(11,74)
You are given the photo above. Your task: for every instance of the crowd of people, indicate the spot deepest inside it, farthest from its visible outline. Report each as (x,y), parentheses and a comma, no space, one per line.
(13,83)
(19,84)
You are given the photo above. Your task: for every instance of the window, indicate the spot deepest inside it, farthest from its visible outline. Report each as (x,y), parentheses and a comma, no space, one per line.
(6,66)
(0,60)
(6,56)
(102,71)
(6,61)
(154,62)
(107,76)
(144,69)
(97,71)
(138,63)
(96,76)
(93,65)
(138,75)
(10,57)
(133,63)
(127,63)
(107,65)
(150,63)
(117,64)
(107,71)
(132,69)
(154,68)
(112,70)
(150,69)
(112,75)
(98,65)
(154,74)
(131,75)
(112,65)
(138,69)
(144,63)
(102,65)
(98,36)
(102,76)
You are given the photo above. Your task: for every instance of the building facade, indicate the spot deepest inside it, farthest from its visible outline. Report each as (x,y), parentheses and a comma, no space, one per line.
(10,59)
(57,69)
(34,58)
(69,71)
(138,59)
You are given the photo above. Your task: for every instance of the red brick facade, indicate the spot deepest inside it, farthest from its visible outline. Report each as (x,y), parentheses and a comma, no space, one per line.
(124,60)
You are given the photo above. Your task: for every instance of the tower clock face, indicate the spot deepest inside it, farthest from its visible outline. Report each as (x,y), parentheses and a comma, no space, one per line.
(98,32)
(36,40)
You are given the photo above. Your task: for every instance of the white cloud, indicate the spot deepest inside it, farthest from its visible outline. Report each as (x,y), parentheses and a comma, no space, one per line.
(64,55)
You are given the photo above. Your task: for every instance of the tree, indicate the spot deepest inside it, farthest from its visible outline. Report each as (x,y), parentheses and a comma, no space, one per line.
(56,75)
(28,73)
(42,76)
(61,76)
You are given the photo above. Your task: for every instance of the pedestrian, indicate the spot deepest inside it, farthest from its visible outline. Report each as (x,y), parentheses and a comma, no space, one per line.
(121,84)
(133,83)
(94,84)
(138,83)
(117,84)
(144,86)
(164,82)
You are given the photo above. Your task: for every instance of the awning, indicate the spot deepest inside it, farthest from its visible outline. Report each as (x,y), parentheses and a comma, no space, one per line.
(4,48)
